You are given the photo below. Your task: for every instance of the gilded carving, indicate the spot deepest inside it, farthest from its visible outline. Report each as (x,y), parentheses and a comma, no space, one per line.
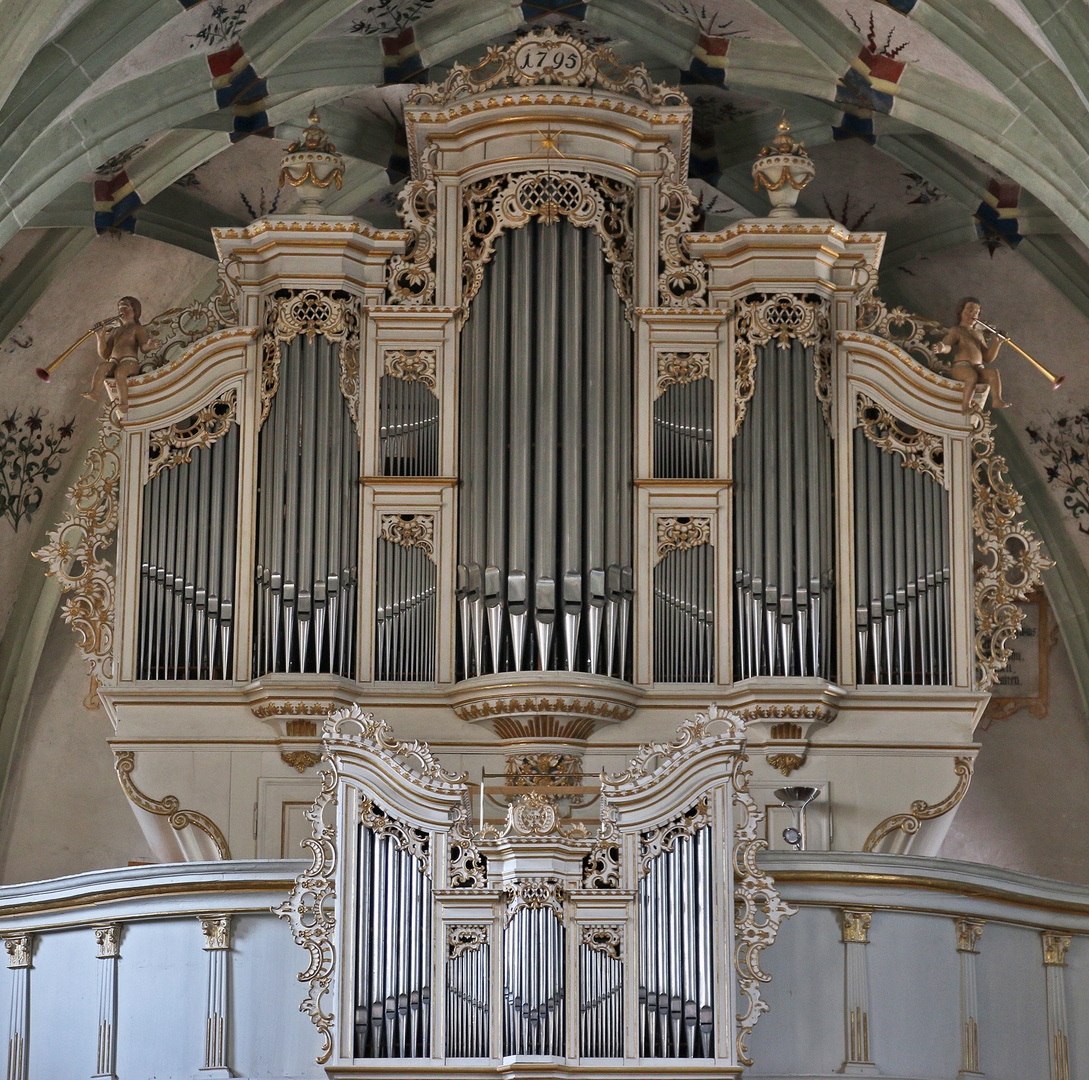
(968,934)
(464,939)
(534,893)
(922,451)
(466,868)
(818,713)
(75,554)
(532,814)
(682,279)
(293,707)
(411,276)
(19,947)
(603,938)
(293,312)
(786,763)
(543,706)
(172,445)
(410,531)
(108,938)
(601,865)
(664,837)
(856,927)
(1055,946)
(680,534)
(543,770)
(1011,560)
(786,732)
(406,837)
(681,368)
(300,760)
(412,365)
(912,333)
(168,807)
(309,908)
(923,811)
(217,932)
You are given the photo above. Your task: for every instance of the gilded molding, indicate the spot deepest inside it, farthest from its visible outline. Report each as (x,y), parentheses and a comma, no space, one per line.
(309,908)
(607,938)
(217,932)
(785,763)
(19,948)
(300,760)
(512,200)
(293,312)
(1011,560)
(534,893)
(856,927)
(922,451)
(543,706)
(904,329)
(108,939)
(409,531)
(412,365)
(293,707)
(817,713)
(79,543)
(1055,946)
(759,908)
(681,368)
(922,811)
(680,534)
(465,938)
(170,446)
(968,934)
(168,807)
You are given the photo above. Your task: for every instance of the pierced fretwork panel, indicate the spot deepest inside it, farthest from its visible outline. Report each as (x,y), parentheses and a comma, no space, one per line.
(393,975)
(677,951)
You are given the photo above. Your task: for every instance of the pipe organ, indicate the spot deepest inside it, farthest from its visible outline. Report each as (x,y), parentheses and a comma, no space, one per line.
(541,470)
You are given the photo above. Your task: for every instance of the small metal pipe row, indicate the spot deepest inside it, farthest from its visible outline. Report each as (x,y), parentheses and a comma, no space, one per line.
(534,984)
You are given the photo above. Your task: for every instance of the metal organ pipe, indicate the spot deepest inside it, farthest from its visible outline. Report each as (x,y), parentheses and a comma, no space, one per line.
(784,506)
(545,555)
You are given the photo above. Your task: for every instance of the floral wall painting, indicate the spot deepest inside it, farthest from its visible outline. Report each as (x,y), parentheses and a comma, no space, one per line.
(1063,445)
(30,455)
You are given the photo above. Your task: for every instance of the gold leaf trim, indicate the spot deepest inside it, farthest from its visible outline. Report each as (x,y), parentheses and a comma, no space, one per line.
(174,444)
(19,948)
(968,934)
(922,811)
(680,534)
(786,763)
(856,927)
(410,531)
(465,938)
(169,806)
(681,368)
(75,554)
(922,451)
(1055,946)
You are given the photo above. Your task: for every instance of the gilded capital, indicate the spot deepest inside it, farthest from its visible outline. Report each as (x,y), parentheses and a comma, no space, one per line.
(856,927)
(108,936)
(1055,946)
(968,932)
(217,932)
(18,947)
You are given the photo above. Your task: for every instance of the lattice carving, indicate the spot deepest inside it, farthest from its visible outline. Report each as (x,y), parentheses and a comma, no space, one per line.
(75,554)
(406,837)
(759,909)
(923,811)
(681,368)
(682,278)
(413,365)
(548,57)
(535,893)
(680,534)
(781,317)
(172,445)
(510,202)
(1011,557)
(311,311)
(922,451)
(410,531)
(603,938)
(309,908)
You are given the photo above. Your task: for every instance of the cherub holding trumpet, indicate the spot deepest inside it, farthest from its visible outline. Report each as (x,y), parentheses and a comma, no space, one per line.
(120,341)
(971,352)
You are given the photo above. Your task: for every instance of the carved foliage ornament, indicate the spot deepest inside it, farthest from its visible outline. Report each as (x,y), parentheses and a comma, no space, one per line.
(535,893)
(547,57)
(410,531)
(601,865)
(75,554)
(18,947)
(922,451)
(912,333)
(463,939)
(412,365)
(968,934)
(680,534)
(108,939)
(512,201)
(607,939)
(411,276)
(292,312)
(856,927)
(172,445)
(781,317)
(405,837)
(1011,560)
(664,837)
(466,868)
(682,278)
(923,811)
(681,368)
(217,932)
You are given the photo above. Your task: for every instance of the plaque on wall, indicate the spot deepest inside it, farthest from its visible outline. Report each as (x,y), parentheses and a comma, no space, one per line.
(1022,684)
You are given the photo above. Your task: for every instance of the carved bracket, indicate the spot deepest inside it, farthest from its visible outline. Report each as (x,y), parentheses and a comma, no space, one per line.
(923,811)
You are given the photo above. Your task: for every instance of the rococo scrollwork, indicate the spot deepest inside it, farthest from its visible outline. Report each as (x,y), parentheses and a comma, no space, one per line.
(682,277)
(412,365)
(290,313)
(681,368)
(410,530)
(680,534)
(922,451)
(170,446)
(921,810)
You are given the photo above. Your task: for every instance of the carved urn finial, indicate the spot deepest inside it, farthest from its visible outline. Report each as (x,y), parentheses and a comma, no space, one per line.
(311,165)
(783,169)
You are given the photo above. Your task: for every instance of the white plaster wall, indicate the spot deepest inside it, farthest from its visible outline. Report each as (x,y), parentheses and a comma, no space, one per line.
(64,810)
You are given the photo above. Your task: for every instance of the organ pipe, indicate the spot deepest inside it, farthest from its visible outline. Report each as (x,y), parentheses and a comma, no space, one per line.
(534,976)
(468,992)
(544,577)
(601,1003)
(684,435)
(187,565)
(408,428)
(406,584)
(684,616)
(306,570)
(784,522)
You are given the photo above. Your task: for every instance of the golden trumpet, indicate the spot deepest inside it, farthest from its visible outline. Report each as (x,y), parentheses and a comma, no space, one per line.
(46,373)
(1056,380)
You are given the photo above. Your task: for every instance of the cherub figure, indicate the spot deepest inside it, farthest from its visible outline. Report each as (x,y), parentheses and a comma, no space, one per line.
(971,352)
(119,347)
